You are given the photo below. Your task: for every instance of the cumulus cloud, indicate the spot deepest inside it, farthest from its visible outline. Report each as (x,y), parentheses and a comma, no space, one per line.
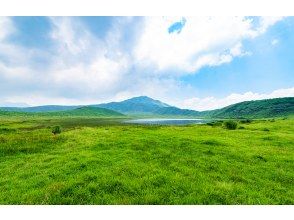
(84,68)
(16,60)
(266,22)
(210,103)
(203,41)
(84,63)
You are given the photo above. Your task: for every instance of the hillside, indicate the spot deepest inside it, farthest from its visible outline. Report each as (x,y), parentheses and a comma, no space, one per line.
(13,113)
(267,108)
(81,111)
(148,107)
(174,111)
(87,111)
(136,106)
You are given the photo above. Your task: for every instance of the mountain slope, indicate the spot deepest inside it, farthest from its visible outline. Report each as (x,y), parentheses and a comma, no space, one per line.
(87,111)
(174,111)
(145,106)
(137,105)
(278,107)
(81,111)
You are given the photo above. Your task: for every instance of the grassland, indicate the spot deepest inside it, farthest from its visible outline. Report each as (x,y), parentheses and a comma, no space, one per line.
(100,161)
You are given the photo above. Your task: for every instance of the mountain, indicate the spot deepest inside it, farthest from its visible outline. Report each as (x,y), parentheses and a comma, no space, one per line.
(174,111)
(86,111)
(267,108)
(80,111)
(278,107)
(141,105)
(145,106)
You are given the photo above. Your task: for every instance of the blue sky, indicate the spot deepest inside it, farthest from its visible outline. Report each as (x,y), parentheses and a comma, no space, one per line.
(191,62)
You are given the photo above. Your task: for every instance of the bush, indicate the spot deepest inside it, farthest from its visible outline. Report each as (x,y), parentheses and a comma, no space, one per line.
(218,123)
(231,125)
(246,121)
(241,127)
(56,130)
(214,123)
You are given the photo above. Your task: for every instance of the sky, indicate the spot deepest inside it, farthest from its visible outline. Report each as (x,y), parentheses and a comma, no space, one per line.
(199,63)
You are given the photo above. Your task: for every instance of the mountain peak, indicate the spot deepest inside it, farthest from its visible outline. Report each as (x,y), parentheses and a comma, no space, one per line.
(136,105)
(146,100)
(143,98)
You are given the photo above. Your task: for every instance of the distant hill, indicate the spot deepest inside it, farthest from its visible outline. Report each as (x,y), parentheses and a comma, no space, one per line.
(145,106)
(136,106)
(13,113)
(266,108)
(81,111)
(87,111)
(174,111)
(44,108)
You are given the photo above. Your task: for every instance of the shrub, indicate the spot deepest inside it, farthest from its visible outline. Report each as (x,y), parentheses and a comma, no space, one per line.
(56,130)
(209,123)
(241,127)
(246,121)
(214,123)
(231,125)
(218,123)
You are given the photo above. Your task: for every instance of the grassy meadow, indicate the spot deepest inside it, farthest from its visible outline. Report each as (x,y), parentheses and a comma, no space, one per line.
(101,161)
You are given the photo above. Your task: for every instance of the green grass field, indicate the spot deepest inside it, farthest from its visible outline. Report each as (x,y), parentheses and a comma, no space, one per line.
(100,161)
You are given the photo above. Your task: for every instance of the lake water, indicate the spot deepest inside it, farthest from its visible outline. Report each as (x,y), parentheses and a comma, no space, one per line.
(167,121)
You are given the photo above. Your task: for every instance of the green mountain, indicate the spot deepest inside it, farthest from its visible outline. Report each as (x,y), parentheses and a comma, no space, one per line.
(267,108)
(81,111)
(87,111)
(141,105)
(174,111)
(145,106)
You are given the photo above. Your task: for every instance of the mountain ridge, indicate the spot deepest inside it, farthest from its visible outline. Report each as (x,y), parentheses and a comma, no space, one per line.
(80,111)
(135,105)
(146,106)
(276,107)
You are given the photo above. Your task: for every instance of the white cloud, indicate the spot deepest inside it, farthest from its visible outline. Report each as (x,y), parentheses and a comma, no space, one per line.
(15,60)
(210,103)
(6,27)
(74,41)
(266,22)
(101,75)
(15,72)
(85,64)
(203,41)
(92,69)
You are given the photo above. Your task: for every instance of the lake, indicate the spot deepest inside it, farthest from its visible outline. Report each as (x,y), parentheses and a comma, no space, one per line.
(167,121)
